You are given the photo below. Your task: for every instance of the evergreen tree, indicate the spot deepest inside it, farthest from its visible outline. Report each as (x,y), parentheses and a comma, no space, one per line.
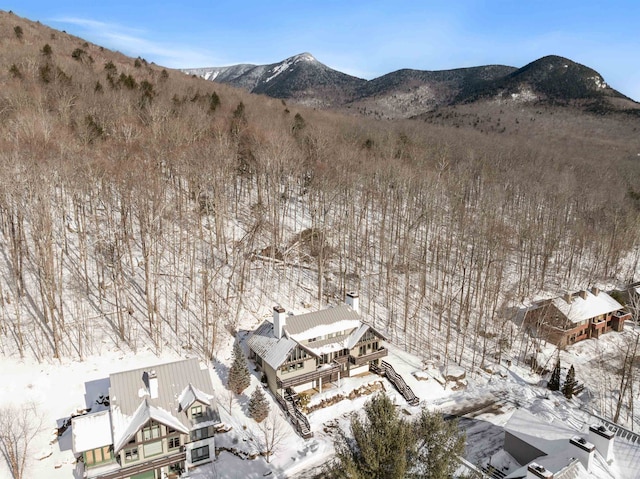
(554,382)
(381,440)
(386,446)
(214,102)
(569,387)
(437,445)
(258,405)
(239,377)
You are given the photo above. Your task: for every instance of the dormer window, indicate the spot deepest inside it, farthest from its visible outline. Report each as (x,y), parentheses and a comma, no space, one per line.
(196,411)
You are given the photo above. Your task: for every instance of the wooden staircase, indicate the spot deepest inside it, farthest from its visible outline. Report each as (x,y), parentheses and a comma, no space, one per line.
(297,418)
(492,472)
(385,369)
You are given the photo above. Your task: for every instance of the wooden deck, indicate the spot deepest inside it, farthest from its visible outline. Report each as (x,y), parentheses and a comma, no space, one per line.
(145,466)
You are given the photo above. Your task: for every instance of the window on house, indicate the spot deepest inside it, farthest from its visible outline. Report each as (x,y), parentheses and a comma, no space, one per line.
(196,411)
(311,340)
(174,442)
(97,456)
(202,433)
(131,454)
(152,431)
(200,454)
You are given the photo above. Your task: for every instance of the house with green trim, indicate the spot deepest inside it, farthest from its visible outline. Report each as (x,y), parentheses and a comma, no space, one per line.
(160,422)
(307,352)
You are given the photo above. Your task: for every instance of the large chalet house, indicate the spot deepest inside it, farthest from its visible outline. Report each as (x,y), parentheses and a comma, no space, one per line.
(306,351)
(576,316)
(160,422)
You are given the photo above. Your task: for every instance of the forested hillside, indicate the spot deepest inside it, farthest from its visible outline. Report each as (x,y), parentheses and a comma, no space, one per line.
(141,207)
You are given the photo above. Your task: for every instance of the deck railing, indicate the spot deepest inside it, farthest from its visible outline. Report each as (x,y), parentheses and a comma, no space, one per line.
(359,360)
(331,370)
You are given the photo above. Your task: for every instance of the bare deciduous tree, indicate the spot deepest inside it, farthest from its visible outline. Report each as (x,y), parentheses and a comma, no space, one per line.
(273,433)
(18,427)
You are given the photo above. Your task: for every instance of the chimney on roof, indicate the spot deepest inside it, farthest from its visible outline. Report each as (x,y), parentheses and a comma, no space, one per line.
(536,471)
(153,384)
(583,451)
(583,294)
(279,321)
(595,291)
(568,297)
(353,301)
(602,438)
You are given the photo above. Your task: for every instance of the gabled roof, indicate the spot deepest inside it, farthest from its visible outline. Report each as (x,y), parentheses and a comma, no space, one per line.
(132,406)
(580,309)
(272,350)
(128,388)
(357,335)
(191,395)
(321,323)
(91,431)
(125,427)
(340,327)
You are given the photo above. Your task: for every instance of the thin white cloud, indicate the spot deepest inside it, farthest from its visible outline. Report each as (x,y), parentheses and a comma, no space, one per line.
(135,42)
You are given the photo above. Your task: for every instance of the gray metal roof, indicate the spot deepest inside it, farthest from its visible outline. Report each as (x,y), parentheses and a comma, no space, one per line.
(272,350)
(128,389)
(303,322)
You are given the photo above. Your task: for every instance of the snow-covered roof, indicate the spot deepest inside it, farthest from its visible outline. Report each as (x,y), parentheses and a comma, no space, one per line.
(128,387)
(132,404)
(190,395)
(580,309)
(547,437)
(125,427)
(339,327)
(91,431)
(321,323)
(552,439)
(272,350)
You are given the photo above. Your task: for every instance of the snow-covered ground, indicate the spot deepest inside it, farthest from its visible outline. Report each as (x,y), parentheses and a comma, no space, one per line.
(486,402)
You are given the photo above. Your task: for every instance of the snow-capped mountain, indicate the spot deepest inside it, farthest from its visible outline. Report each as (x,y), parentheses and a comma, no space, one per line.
(300,77)
(408,93)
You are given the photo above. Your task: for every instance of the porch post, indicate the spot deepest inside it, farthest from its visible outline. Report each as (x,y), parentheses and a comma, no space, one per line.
(320,384)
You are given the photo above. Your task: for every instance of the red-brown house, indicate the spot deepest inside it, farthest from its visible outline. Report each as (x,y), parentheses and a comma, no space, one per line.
(573,317)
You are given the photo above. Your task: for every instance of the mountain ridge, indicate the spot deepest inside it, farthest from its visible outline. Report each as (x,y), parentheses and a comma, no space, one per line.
(410,92)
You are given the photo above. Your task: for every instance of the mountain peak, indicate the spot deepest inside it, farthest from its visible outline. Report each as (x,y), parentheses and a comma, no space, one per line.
(304,57)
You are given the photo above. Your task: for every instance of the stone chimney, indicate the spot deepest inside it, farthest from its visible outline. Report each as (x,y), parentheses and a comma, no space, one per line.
(595,291)
(583,451)
(583,294)
(536,471)
(602,438)
(279,321)
(353,301)
(568,297)
(153,384)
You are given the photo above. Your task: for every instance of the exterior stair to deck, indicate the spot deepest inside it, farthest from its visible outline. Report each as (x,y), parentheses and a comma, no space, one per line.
(385,369)
(298,419)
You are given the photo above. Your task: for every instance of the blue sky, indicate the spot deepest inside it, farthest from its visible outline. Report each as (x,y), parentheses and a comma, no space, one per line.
(362,38)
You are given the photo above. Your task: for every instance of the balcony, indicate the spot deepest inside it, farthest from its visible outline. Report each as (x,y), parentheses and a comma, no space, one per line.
(323,371)
(153,464)
(360,360)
